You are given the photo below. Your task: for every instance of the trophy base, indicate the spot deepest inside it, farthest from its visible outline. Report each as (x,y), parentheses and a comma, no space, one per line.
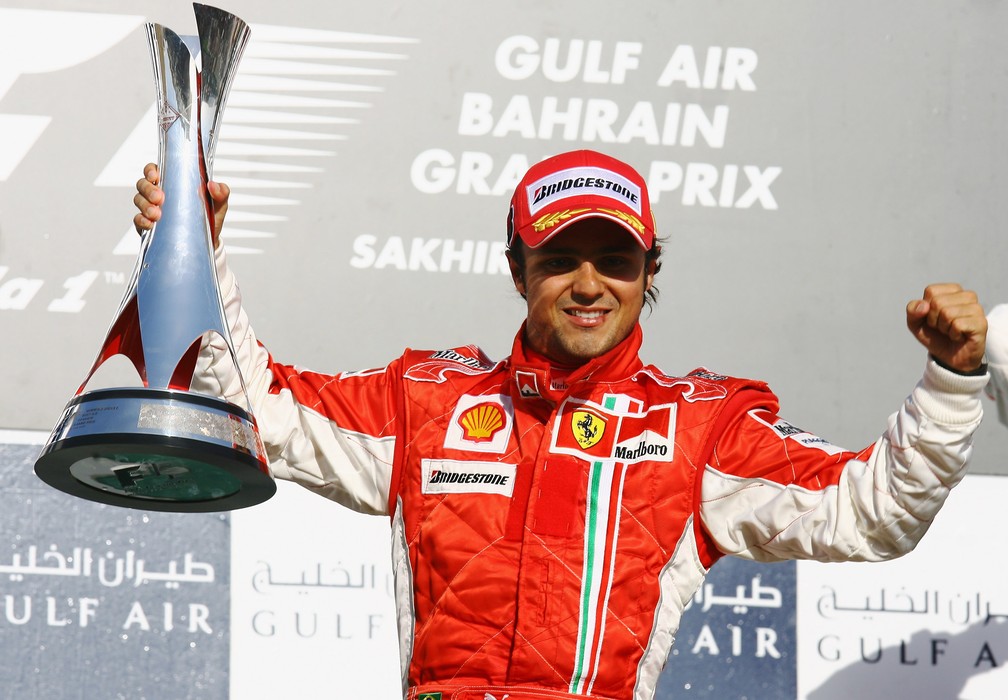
(158,450)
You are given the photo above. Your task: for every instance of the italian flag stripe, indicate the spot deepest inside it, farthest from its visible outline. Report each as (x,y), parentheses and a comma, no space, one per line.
(609,562)
(605,485)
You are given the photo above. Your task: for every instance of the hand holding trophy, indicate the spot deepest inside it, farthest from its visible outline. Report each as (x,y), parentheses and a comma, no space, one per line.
(160,446)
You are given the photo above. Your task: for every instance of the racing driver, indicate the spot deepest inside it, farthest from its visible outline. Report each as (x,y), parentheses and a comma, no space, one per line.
(552,513)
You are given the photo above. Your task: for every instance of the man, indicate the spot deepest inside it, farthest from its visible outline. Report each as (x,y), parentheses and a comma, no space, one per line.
(553,513)
(997,350)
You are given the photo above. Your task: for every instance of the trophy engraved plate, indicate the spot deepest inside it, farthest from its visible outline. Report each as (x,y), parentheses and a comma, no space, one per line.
(160,445)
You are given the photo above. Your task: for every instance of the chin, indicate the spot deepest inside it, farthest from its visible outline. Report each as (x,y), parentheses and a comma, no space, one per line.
(580,353)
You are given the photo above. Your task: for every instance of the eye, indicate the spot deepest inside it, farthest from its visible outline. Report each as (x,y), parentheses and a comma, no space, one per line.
(558,263)
(614,263)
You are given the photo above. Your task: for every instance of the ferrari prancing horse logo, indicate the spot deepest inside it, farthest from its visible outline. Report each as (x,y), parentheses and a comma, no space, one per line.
(588,428)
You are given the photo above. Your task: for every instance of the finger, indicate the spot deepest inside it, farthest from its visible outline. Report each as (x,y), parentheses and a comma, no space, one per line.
(967,322)
(965,327)
(947,306)
(916,315)
(917,309)
(219,193)
(149,192)
(147,209)
(941,289)
(151,173)
(142,224)
(937,295)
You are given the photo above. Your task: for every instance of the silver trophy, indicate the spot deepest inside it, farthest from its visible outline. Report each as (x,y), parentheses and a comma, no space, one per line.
(159,445)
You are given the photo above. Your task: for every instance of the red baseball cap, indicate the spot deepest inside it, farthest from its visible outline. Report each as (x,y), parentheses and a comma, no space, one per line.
(576,185)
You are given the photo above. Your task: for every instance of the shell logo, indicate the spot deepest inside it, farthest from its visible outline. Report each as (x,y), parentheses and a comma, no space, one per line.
(481,422)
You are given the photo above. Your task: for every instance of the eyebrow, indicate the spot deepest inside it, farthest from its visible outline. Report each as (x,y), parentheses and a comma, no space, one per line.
(574,250)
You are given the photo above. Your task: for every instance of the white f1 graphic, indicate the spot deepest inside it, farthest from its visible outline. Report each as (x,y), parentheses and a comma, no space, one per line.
(274,110)
(41,41)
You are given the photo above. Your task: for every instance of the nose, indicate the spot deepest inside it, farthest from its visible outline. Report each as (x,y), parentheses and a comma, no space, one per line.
(588,284)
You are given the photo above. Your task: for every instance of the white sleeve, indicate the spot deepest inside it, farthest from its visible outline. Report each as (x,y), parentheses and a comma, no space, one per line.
(216,374)
(333,434)
(772,495)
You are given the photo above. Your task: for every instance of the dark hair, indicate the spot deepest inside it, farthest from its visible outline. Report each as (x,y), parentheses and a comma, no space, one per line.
(517,253)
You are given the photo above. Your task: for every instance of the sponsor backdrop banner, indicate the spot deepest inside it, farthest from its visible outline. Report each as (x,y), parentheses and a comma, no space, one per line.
(737,637)
(812,166)
(933,624)
(105,602)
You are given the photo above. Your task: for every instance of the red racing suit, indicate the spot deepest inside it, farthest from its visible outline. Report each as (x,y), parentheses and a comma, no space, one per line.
(549,528)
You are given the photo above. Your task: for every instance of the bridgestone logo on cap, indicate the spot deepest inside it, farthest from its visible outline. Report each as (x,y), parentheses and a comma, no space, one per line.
(578,182)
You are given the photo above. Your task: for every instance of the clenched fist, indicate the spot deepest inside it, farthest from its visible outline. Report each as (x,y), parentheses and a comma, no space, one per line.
(950,323)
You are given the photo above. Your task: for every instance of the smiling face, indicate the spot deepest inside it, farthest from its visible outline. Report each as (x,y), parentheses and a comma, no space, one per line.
(584,289)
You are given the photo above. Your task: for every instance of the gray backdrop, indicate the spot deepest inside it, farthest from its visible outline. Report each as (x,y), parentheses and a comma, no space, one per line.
(876,132)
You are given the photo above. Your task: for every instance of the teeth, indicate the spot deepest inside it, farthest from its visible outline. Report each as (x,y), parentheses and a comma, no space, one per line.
(587,314)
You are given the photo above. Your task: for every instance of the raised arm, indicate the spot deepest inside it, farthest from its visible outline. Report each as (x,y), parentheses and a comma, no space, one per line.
(773,491)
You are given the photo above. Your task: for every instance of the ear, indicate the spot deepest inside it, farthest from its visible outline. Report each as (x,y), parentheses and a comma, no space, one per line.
(516,274)
(650,270)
